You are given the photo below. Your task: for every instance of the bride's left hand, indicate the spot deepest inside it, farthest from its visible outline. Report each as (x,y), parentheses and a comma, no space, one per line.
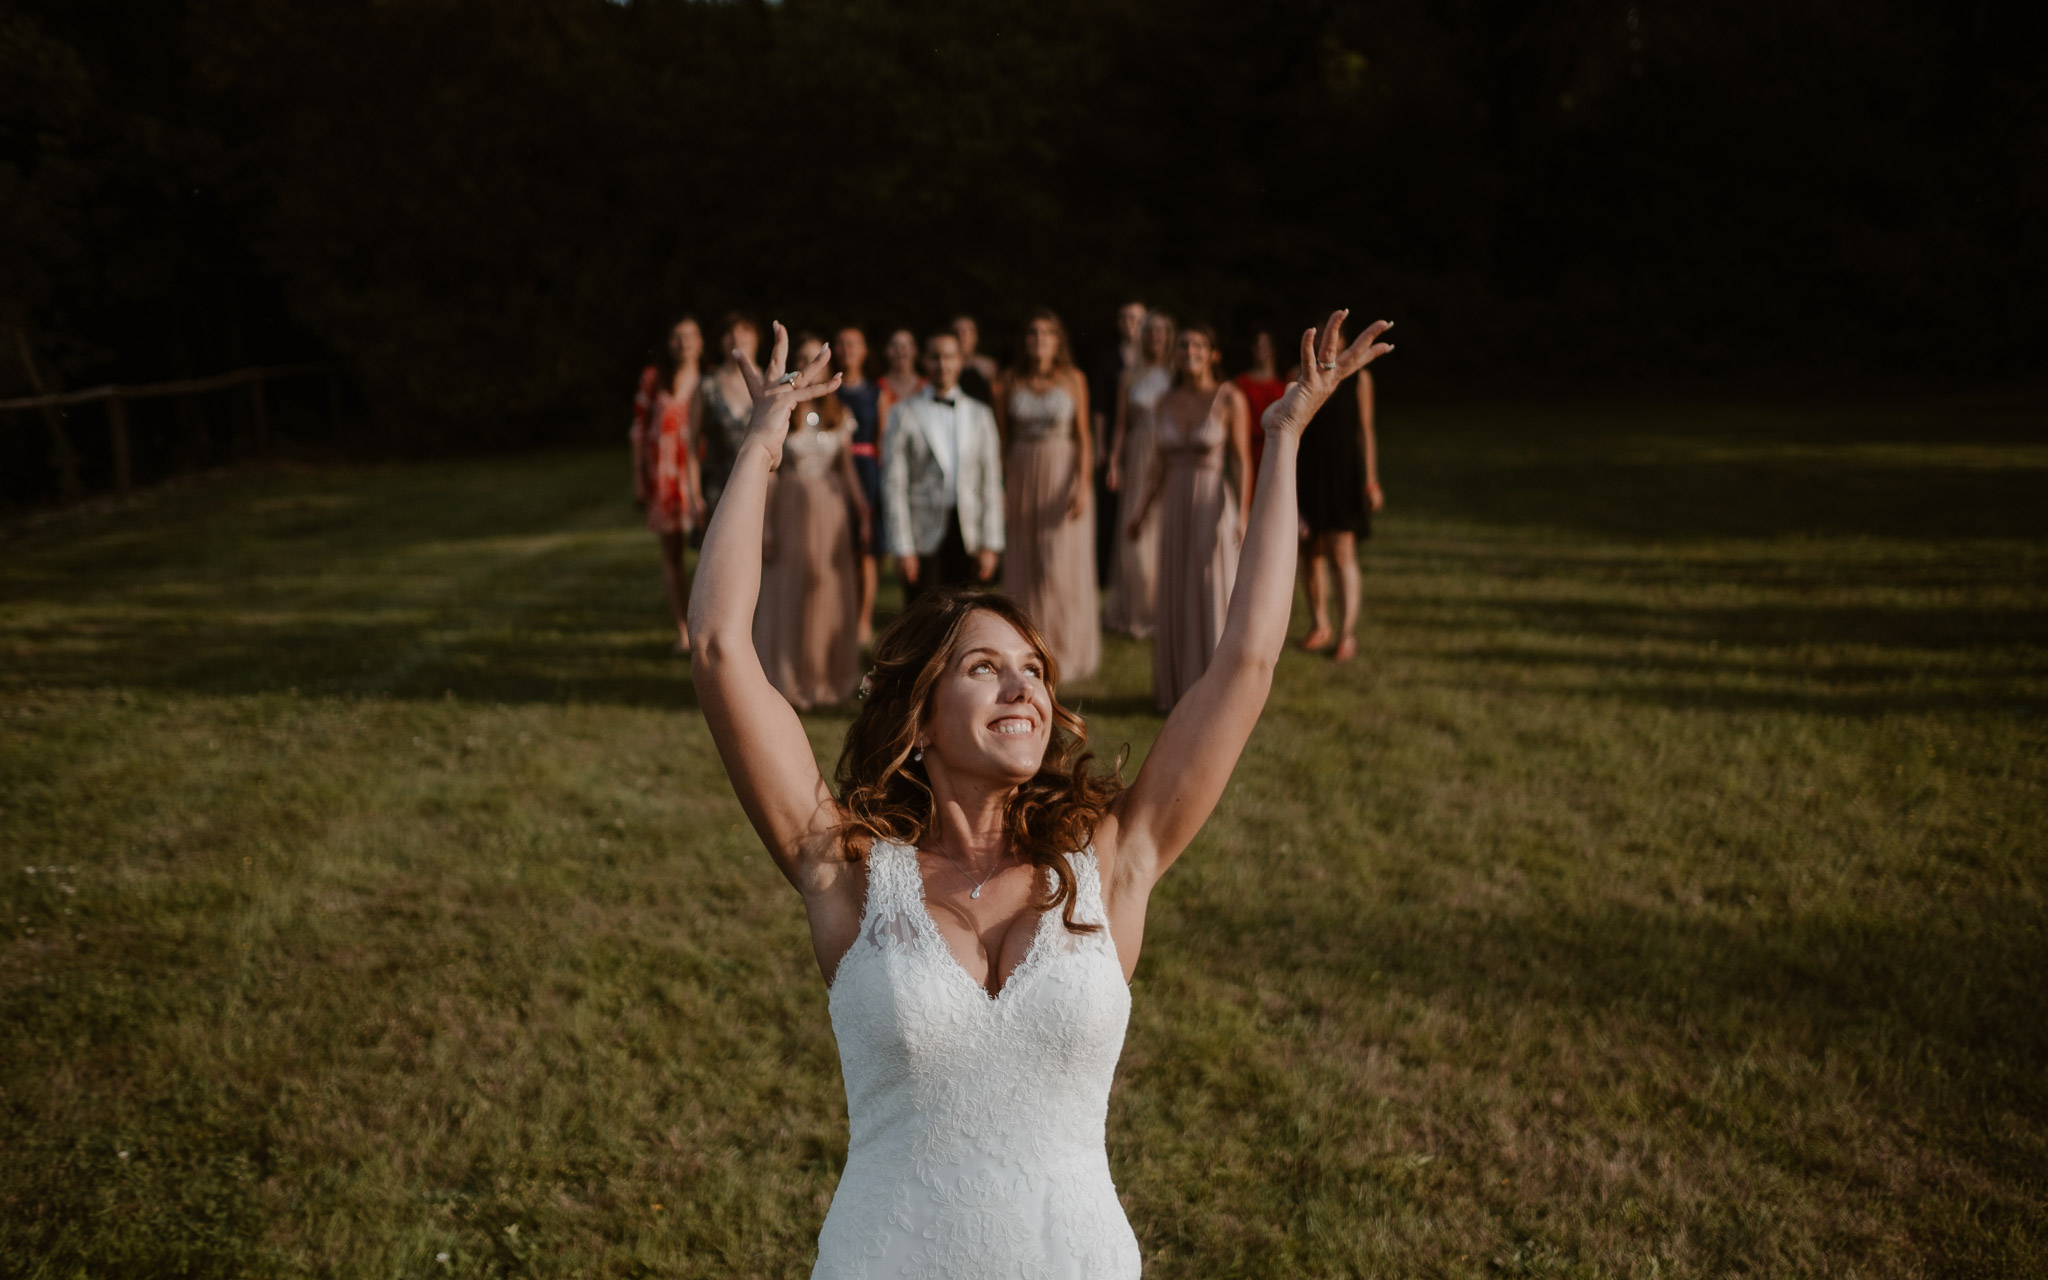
(1323,369)
(775,393)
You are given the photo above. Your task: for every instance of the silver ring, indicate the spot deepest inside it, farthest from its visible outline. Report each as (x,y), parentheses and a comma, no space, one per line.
(1328,364)
(789,379)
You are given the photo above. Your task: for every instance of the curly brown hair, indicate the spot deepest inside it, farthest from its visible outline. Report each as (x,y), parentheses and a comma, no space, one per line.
(886,795)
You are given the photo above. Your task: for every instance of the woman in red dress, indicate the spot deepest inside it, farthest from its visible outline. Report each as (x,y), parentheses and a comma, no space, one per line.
(1262,385)
(665,478)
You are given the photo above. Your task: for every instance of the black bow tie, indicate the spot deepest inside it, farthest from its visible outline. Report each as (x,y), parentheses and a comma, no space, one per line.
(944,400)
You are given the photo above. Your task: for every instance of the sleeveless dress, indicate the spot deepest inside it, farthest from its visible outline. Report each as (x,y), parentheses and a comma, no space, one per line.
(719,437)
(978,1145)
(1260,395)
(1330,466)
(864,402)
(1197,550)
(1132,596)
(804,621)
(661,438)
(1049,562)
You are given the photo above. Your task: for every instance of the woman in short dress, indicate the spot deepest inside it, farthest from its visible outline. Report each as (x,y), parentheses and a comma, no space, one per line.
(1132,590)
(863,399)
(804,626)
(1340,492)
(1049,559)
(1198,425)
(723,405)
(665,479)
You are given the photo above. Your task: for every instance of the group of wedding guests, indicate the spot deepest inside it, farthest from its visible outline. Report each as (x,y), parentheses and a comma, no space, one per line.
(964,471)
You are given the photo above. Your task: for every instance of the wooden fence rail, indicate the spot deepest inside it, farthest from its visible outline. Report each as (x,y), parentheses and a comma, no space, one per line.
(117,398)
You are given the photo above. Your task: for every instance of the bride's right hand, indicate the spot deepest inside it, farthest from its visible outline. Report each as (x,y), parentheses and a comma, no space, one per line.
(775,394)
(1292,411)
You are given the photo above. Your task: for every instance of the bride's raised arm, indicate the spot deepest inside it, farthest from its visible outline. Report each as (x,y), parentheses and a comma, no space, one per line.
(759,736)
(1191,762)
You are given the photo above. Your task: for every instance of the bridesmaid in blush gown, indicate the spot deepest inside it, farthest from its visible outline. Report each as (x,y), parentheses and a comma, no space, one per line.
(805,626)
(1132,590)
(1202,512)
(1049,562)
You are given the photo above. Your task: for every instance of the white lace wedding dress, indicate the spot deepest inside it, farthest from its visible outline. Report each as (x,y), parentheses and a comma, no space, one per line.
(977,1146)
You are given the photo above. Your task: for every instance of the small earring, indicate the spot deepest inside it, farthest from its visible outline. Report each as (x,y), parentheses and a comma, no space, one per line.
(918,755)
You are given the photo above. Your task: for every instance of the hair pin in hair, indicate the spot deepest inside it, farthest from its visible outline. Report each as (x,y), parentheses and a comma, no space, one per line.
(867,684)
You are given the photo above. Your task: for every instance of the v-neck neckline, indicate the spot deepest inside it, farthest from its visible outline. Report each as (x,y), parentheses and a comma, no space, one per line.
(953,961)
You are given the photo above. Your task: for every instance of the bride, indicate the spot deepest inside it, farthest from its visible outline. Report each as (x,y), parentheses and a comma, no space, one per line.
(976,890)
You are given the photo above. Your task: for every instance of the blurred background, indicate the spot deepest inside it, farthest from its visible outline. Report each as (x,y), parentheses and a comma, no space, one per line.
(484,213)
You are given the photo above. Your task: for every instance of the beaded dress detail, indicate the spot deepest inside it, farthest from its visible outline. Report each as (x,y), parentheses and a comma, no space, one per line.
(977,1122)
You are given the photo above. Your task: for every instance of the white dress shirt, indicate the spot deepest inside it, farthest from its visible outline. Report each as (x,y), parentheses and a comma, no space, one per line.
(944,433)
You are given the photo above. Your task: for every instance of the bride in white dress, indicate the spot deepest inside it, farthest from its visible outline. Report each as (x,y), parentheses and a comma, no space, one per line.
(976,889)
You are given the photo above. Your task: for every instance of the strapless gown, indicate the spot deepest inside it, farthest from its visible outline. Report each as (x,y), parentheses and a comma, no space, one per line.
(977,1123)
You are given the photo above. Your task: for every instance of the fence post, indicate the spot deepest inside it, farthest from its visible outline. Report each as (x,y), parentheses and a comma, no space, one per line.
(63,458)
(117,424)
(259,414)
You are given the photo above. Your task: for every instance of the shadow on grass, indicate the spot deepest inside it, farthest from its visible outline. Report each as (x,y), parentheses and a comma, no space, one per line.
(1938,470)
(1937,1011)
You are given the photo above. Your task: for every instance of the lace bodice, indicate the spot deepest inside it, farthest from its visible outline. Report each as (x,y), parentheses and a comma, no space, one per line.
(977,1122)
(810,453)
(1041,415)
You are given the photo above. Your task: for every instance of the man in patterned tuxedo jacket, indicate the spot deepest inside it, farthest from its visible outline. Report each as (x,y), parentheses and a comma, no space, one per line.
(942,479)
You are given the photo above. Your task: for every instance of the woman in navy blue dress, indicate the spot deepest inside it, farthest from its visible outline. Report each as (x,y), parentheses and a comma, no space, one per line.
(863,399)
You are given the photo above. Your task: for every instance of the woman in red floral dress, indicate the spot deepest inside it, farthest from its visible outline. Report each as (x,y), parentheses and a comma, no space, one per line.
(665,479)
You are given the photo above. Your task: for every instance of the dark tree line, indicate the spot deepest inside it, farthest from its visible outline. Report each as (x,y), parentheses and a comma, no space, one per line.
(485,208)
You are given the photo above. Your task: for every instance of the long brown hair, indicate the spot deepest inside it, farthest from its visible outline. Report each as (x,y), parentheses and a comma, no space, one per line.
(1062,356)
(886,794)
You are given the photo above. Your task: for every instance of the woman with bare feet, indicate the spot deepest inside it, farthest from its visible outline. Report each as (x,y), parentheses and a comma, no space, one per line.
(863,399)
(976,888)
(665,478)
(1340,491)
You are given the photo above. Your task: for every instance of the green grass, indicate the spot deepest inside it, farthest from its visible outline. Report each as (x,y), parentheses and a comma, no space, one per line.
(1662,895)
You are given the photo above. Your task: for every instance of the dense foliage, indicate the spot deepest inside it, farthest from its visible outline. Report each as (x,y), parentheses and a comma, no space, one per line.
(485,208)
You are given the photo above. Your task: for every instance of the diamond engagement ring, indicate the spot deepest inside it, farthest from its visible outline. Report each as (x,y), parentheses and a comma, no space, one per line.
(789,379)
(1328,364)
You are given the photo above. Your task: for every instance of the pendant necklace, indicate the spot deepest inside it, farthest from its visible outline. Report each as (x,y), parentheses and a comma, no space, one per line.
(976,893)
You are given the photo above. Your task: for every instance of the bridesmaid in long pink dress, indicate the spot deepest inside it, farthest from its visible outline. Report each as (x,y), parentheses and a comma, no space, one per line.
(1049,563)
(1133,591)
(806,619)
(1199,424)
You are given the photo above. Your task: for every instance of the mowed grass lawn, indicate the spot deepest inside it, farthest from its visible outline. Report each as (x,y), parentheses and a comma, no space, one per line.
(1661,895)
